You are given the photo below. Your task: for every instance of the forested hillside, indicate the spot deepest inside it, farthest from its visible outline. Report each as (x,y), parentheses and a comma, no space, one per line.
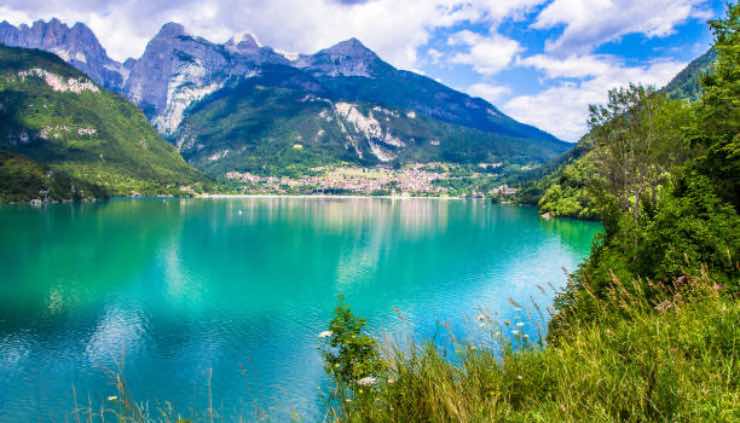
(62,137)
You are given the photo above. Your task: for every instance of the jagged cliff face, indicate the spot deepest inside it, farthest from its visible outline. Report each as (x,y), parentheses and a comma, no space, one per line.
(175,70)
(178,69)
(77,46)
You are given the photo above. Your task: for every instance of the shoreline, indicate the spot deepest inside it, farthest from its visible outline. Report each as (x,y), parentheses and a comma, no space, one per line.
(33,204)
(329,196)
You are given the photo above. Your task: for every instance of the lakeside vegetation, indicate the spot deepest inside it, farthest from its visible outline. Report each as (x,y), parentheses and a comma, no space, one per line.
(561,188)
(646,329)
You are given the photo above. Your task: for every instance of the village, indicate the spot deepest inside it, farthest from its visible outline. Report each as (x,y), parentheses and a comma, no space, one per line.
(427,180)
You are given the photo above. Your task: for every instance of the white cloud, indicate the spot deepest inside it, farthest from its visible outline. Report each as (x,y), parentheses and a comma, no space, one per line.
(571,67)
(394,29)
(562,108)
(498,10)
(490,92)
(486,55)
(434,55)
(590,23)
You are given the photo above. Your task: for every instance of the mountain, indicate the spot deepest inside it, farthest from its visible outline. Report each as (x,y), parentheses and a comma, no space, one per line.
(77,45)
(242,106)
(687,84)
(344,104)
(62,133)
(178,69)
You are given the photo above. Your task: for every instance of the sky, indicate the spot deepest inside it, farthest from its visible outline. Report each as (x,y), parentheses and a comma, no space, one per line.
(540,61)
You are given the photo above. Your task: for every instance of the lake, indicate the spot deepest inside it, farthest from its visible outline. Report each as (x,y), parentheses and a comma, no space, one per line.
(174,293)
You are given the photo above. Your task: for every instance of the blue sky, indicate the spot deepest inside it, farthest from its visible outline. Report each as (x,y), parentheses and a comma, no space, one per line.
(540,61)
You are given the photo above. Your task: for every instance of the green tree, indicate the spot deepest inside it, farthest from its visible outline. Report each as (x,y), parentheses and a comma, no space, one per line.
(638,141)
(717,127)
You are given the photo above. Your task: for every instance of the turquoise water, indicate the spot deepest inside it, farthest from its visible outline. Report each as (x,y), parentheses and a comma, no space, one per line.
(168,292)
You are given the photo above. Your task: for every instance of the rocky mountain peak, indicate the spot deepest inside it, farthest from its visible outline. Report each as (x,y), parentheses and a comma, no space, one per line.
(177,70)
(170,30)
(347,58)
(351,48)
(243,42)
(77,46)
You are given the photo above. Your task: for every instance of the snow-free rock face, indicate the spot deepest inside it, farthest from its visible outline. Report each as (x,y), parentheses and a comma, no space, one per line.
(77,46)
(178,69)
(175,70)
(59,83)
(359,127)
(348,58)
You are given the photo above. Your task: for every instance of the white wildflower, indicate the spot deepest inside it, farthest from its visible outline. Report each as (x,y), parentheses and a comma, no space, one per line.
(367,381)
(326,334)
(112,398)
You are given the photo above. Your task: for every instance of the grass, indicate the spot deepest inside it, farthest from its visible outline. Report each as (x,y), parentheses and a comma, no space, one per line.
(674,360)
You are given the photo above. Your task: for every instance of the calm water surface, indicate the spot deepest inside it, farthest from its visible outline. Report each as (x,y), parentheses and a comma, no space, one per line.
(168,292)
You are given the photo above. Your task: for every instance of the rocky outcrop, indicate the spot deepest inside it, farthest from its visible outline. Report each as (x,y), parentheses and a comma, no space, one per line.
(77,46)
(59,83)
(368,129)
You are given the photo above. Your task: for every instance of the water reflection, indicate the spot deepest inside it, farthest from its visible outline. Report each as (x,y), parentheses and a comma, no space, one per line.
(242,286)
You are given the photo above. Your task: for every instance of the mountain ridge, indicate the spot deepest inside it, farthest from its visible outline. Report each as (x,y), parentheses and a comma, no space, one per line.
(179,71)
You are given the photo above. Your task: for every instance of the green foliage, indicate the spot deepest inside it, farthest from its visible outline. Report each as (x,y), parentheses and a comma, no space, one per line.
(687,84)
(21,179)
(563,183)
(691,226)
(637,143)
(352,355)
(93,144)
(572,198)
(568,194)
(716,130)
(689,218)
(677,364)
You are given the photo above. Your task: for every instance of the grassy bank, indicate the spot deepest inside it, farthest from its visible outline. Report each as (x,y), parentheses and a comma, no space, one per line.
(647,329)
(632,361)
